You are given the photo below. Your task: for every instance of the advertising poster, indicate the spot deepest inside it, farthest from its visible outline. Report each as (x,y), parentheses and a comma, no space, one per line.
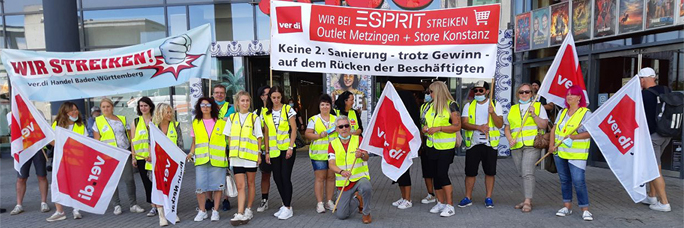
(522,32)
(581,13)
(681,11)
(540,28)
(559,23)
(604,18)
(659,13)
(359,85)
(631,17)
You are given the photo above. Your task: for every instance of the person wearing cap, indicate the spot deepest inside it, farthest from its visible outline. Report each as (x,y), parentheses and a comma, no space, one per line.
(94,113)
(481,120)
(650,91)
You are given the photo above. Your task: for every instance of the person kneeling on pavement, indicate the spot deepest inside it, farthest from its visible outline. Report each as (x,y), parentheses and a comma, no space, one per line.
(350,165)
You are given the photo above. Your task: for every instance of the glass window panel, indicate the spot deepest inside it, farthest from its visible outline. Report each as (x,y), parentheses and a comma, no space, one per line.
(23,6)
(228,21)
(2,34)
(123,27)
(119,3)
(203,14)
(25,31)
(263,26)
(243,21)
(178,21)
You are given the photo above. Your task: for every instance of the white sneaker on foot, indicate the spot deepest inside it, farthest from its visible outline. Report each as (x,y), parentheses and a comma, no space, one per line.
(448,211)
(428,199)
(660,207)
(17,210)
(405,204)
(57,216)
(239,219)
(563,212)
(320,208)
(152,213)
(286,213)
(77,214)
(396,203)
(263,206)
(587,216)
(650,200)
(201,215)
(44,207)
(329,205)
(437,208)
(214,216)
(248,213)
(117,210)
(136,209)
(277,214)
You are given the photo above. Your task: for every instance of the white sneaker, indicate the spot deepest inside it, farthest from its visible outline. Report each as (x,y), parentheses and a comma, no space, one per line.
(320,208)
(152,213)
(286,214)
(396,203)
(248,213)
(587,216)
(137,209)
(201,215)
(117,210)
(17,210)
(77,214)
(437,208)
(650,200)
(405,204)
(162,219)
(214,216)
(239,219)
(263,206)
(277,214)
(44,207)
(57,216)
(448,211)
(563,212)
(428,199)
(329,205)
(660,207)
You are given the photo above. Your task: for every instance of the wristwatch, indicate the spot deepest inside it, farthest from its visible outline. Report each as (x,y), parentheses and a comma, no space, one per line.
(291,148)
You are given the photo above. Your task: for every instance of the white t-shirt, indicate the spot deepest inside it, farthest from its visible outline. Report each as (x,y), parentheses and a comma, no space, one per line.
(119,132)
(582,164)
(276,115)
(523,108)
(312,124)
(481,117)
(239,162)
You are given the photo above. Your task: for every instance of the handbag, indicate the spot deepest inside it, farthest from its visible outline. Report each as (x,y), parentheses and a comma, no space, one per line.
(541,140)
(550,164)
(231,188)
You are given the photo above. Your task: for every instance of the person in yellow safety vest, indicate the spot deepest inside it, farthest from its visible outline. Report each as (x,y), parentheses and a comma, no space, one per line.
(481,120)
(68,117)
(243,129)
(352,175)
(321,130)
(164,119)
(113,130)
(570,142)
(141,147)
(521,139)
(264,167)
(280,132)
(344,107)
(441,125)
(209,151)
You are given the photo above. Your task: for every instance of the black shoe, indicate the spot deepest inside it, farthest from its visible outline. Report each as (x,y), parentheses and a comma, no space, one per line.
(226,205)
(209,205)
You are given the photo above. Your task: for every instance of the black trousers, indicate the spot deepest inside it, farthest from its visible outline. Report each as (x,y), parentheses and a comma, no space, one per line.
(147,183)
(282,175)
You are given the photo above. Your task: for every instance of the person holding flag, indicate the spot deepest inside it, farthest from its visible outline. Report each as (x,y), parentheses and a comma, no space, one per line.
(164,119)
(321,130)
(441,125)
(68,117)
(113,130)
(482,120)
(570,145)
(352,176)
(521,136)
(243,129)
(141,147)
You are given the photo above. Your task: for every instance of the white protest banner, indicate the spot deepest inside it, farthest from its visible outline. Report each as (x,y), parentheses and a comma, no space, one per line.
(86,171)
(30,131)
(392,134)
(168,166)
(459,42)
(564,72)
(55,76)
(620,130)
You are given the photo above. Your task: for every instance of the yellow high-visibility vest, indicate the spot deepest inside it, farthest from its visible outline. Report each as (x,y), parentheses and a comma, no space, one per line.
(439,140)
(210,148)
(529,129)
(78,128)
(278,139)
(344,159)
(106,132)
(141,140)
(580,147)
(318,150)
(494,133)
(243,143)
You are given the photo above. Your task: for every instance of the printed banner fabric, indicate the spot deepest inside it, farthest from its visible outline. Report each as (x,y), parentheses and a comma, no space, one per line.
(168,162)
(564,72)
(459,42)
(55,76)
(30,132)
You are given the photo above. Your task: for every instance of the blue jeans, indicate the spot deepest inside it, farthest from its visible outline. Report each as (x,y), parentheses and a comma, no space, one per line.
(570,176)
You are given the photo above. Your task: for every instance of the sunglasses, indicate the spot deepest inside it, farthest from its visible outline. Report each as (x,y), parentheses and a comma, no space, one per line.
(205,105)
(343,126)
(479,90)
(524,92)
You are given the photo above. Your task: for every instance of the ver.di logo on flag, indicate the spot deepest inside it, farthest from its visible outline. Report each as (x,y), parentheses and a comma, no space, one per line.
(289,19)
(620,127)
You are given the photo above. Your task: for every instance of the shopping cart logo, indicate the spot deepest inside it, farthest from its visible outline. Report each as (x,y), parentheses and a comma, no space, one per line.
(481,17)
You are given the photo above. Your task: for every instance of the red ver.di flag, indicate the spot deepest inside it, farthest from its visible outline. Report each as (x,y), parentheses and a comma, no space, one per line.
(564,72)
(29,130)
(168,162)
(393,135)
(620,130)
(87,171)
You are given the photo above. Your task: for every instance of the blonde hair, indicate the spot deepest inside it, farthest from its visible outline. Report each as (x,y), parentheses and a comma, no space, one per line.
(528,85)
(159,113)
(106,100)
(440,96)
(236,99)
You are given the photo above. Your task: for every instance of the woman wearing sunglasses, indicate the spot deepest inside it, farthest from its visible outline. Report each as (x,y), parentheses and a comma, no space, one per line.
(521,139)
(352,176)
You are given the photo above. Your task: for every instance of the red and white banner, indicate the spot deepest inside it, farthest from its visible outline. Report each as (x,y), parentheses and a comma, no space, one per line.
(392,134)
(85,171)
(29,130)
(168,166)
(620,130)
(459,42)
(564,72)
